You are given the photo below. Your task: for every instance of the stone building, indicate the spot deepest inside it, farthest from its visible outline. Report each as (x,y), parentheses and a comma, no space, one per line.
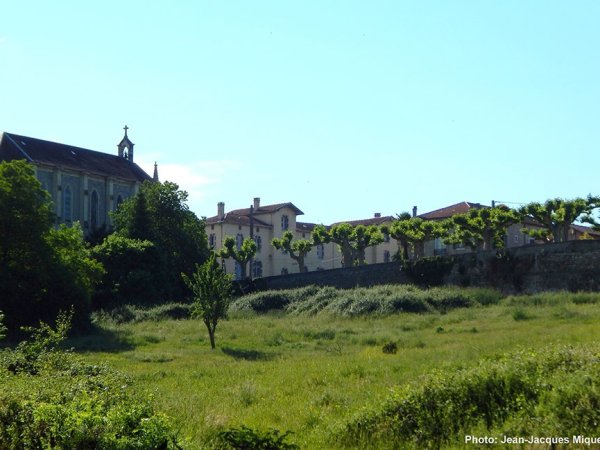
(85,185)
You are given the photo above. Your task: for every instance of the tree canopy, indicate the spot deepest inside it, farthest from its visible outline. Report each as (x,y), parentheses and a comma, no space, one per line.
(352,240)
(43,270)
(297,249)
(414,232)
(159,214)
(557,215)
(242,254)
(481,228)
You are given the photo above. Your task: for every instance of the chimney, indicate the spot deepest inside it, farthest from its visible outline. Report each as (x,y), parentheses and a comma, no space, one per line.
(220,210)
(256,203)
(377,215)
(414,211)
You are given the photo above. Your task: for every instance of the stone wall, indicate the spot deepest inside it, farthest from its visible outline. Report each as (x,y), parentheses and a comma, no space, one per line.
(369,275)
(571,266)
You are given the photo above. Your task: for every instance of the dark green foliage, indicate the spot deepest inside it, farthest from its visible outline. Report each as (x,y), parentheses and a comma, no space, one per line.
(547,393)
(429,271)
(159,214)
(211,289)
(505,268)
(520,314)
(50,399)
(2,327)
(379,300)
(245,438)
(133,274)
(42,270)
(390,348)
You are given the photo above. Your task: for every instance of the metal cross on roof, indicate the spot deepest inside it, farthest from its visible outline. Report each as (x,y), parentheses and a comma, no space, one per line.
(126,128)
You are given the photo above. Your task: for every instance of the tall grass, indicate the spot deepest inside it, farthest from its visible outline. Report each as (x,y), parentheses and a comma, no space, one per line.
(379,300)
(311,370)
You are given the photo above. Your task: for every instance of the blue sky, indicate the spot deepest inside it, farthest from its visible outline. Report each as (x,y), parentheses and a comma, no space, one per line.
(344,108)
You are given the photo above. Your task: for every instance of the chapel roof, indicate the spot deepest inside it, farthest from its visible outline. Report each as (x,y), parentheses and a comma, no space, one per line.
(38,151)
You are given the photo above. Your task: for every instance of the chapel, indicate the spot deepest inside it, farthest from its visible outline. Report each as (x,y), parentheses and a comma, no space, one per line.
(85,185)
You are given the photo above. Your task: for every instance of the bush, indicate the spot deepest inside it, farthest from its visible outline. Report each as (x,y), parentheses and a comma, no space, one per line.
(132,273)
(50,399)
(547,393)
(390,348)
(245,438)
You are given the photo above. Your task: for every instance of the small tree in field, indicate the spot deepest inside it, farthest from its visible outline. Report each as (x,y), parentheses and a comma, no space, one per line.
(211,289)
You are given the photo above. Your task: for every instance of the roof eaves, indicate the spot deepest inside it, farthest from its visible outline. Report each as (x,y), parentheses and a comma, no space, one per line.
(16,144)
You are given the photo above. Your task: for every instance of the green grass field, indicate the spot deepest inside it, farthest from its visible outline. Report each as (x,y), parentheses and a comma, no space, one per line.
(312,374)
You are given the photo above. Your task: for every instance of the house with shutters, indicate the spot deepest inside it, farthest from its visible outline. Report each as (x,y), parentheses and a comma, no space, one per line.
(263,223)
(85,185)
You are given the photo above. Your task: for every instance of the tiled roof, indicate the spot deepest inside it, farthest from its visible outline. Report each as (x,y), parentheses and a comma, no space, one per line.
(242,216)
(583,229)
(305,226)
(14,146)
(267,209)
(449,211)
(236,219)
(367,222)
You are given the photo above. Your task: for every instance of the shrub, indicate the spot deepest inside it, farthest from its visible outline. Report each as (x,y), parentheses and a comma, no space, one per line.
(245,438)
(50,399)
(547,393)
(520,314)
(390,348)
(132,273)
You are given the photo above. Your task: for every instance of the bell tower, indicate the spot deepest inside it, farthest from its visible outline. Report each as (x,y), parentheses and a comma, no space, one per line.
(126,146)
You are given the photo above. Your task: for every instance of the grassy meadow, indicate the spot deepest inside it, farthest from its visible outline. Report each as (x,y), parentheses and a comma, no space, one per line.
(314,370)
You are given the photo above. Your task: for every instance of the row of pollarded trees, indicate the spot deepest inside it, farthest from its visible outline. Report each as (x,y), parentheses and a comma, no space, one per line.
(478,229)
(485,228)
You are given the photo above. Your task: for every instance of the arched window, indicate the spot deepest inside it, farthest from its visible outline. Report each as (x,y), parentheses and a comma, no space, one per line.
(68,204)
(94,210)
(239,240)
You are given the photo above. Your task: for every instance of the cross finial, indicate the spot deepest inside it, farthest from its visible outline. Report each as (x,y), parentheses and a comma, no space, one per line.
(126,128)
